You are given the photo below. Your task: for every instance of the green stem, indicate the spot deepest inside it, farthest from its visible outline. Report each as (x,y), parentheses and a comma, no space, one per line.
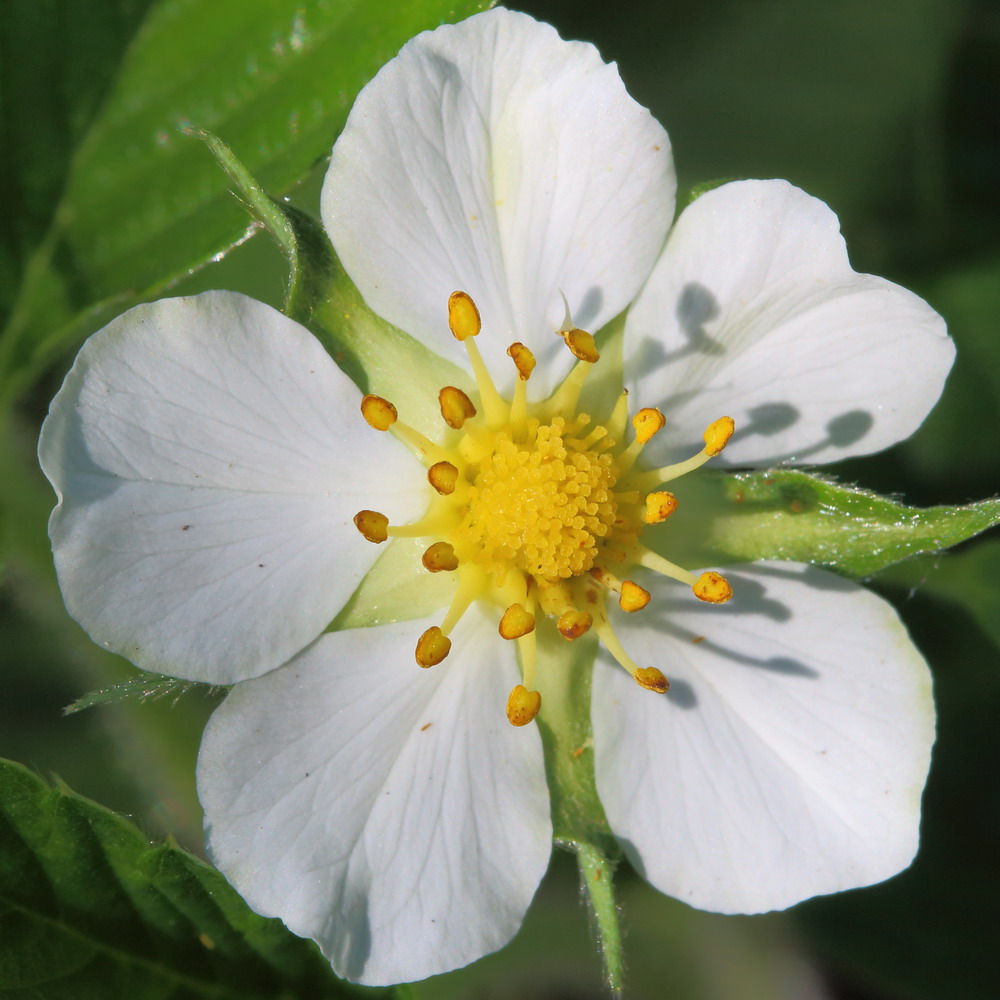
(596,871)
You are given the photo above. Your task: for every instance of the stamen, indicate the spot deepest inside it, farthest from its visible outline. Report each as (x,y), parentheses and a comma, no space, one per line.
(659,506)
(582,345)
(432,647)
(440,557)
(463,318)
(373,525)
(652,680)
(647,677)
(647,422)
(572,624)
(516,622)
(632,596)
(443,476)
(717,435)
(713,588)
(456,407)
(378,412)
(522,705)
(523,359)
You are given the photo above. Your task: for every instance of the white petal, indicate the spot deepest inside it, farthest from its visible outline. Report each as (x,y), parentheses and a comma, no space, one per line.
(754,311)
(494,157)
(389,812)
(209,457)
(788,758)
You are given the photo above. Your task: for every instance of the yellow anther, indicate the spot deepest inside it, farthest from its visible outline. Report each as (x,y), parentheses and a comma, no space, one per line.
(463,316)
(516,622)
(456,407)
(432,647)
(713,588)
(522,705)
(440,557)
(573,624)
(379,412)
(373,525)
(443,476)
(523,359)
(651,679)
(659,506)
(717,435)
(647,422)
(632,596)
(582,345)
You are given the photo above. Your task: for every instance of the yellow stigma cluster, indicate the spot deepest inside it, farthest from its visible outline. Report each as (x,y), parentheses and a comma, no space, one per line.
(534,506)
(541,505)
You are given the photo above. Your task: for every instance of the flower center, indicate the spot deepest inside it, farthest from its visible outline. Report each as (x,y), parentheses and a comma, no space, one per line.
(538,513)
(541,505)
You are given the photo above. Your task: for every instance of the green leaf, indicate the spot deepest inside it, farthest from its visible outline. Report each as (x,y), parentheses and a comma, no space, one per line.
(90,909)
(788,514)
(144,203)
(46,104)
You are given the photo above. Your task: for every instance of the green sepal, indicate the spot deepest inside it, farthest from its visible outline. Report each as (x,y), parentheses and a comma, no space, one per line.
(379,357)
(697,190)
(788,514)
(90,908)
(578,821)
(397,588)
(145,686)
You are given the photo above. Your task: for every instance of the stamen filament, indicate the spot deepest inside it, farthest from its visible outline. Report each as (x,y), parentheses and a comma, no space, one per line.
(470,586)
(495,410)
(619,417)
(563,401)
(519,410)
(647,677)
(527,647)
(435,524)
(425,449)
(652,478)
(656,562)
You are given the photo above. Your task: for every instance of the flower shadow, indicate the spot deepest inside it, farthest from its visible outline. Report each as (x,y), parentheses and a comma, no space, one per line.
(751,600)
(697,306)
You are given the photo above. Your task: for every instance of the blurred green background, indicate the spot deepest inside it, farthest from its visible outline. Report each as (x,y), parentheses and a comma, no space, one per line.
(889,110)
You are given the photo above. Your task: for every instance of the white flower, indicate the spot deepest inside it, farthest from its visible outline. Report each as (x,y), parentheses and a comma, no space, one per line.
(209,458)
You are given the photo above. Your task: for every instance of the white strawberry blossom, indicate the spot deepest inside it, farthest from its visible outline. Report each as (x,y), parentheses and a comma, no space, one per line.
(209,456)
